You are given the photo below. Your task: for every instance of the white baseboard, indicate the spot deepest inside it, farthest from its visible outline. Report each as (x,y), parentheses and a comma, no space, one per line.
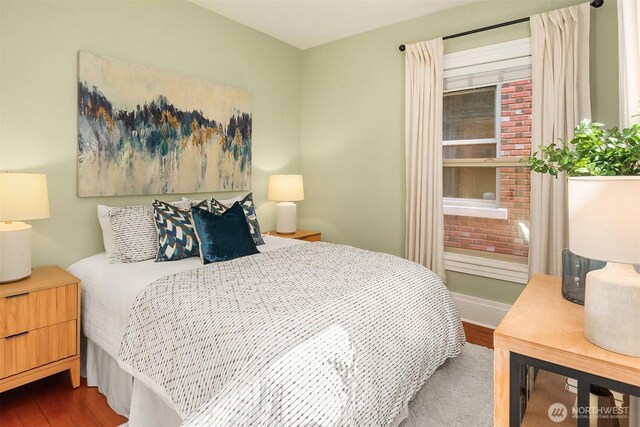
(479,311)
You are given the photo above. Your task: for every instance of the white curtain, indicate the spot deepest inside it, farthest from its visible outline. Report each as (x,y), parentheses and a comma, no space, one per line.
(629,61)
(423,141)
(561,99)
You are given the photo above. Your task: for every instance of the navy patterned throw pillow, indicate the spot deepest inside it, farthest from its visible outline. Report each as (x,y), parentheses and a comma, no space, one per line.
(176,236)
(250,213)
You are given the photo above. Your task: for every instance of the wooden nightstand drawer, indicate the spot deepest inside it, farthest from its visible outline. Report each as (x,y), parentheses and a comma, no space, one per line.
(39,327)
(27,350)
(33,310)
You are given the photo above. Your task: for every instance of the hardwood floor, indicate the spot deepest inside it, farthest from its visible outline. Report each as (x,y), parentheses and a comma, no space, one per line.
(478,335)
(52,402)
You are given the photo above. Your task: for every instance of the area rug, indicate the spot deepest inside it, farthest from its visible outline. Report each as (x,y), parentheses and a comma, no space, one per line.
(459,393)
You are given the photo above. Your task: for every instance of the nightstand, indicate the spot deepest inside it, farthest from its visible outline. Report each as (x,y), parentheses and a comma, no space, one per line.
(39,327)
(545,331)
(309,236)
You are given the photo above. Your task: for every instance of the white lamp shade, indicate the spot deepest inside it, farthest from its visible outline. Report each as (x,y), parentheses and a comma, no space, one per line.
(285,188)
(604,218)
(23,196)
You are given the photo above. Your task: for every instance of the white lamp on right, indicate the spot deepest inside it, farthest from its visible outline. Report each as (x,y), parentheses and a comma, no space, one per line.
(286,189)
(604,224)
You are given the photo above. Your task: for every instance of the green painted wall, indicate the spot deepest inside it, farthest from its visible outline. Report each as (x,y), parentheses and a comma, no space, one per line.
(352,145)
(39,43)
(483,287)
(348,139)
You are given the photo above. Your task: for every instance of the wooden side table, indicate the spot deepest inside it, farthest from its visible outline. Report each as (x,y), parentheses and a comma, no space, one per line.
(309,236)
(39,327)
(544,330)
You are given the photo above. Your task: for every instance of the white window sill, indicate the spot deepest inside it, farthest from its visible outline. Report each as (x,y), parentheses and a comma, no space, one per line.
(476,211)
(486,267)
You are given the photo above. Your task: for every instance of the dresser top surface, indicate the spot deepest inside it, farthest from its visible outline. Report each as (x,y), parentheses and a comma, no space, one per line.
(40,278)
(542,318)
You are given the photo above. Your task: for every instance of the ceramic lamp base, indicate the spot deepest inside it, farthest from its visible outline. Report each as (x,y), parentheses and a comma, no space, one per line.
(286,218)
(611,314)
(15,251)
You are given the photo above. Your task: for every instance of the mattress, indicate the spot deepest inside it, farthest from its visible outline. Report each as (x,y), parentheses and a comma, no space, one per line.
(109,290)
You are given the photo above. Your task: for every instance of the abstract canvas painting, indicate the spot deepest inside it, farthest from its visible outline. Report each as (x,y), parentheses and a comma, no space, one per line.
(147,131)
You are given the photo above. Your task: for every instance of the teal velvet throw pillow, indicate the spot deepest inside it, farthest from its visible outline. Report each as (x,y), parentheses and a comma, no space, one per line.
(223,237)
(250,213)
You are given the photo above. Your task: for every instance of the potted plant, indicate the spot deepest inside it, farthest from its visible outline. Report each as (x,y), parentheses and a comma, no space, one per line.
(593,151)
(603,166)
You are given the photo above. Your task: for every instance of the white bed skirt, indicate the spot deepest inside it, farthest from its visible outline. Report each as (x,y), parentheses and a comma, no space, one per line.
(132,399)
(126,396)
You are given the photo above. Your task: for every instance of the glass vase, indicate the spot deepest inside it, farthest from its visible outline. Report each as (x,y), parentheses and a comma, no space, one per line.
(574,275)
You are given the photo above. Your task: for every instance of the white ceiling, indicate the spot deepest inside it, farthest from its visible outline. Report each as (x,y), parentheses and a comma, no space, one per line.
(309,23)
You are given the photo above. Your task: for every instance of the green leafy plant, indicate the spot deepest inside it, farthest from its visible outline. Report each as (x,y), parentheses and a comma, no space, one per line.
(594,151)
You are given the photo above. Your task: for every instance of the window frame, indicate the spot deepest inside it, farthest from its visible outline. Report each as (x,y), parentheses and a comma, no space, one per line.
(472,66)
(459,202)
(456,142)
(486,264)
(465,70)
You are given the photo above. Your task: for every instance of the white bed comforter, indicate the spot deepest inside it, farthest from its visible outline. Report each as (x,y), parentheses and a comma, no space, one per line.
(109,290)
(314,334)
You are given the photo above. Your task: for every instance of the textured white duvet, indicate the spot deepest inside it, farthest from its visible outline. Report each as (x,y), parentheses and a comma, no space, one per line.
(310,335)
(109,290)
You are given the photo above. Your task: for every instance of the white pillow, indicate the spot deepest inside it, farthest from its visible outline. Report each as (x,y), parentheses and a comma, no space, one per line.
(107,235)
(129,233)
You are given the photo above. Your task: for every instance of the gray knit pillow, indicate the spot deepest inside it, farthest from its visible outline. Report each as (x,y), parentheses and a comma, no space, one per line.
(134,232)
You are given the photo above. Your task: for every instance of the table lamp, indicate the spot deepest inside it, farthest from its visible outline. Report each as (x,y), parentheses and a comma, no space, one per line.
(23,196)
(604,224)
(286,189)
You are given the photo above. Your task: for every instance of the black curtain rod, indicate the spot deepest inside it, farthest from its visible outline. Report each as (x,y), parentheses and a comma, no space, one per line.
(595,3)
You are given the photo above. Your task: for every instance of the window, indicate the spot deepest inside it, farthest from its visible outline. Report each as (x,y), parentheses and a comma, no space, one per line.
(470,133)
(486,131)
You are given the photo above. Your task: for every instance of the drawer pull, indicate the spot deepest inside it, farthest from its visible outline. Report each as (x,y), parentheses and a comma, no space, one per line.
(18,295)
(16,335)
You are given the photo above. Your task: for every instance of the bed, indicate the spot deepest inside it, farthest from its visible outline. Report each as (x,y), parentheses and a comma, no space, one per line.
(300,334)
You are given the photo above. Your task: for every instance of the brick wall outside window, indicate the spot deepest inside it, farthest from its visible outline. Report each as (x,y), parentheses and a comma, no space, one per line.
(494,235)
